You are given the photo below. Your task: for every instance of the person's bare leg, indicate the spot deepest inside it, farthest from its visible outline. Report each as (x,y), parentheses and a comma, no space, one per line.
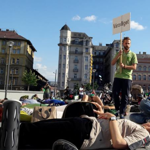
(85,98)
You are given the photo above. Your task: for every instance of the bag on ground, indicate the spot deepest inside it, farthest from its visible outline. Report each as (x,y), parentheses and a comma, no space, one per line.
(43,113)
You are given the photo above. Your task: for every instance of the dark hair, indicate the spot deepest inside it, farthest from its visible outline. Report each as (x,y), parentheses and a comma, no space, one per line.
(126,38)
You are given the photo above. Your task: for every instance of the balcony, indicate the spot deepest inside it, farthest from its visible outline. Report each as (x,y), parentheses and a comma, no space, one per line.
(77,53)
(75,70)
(75,79)
(76,61)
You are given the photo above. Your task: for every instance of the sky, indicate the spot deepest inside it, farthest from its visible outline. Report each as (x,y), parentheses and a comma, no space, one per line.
(40,22)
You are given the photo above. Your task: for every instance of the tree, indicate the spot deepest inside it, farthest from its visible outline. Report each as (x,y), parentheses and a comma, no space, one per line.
(29,78)
(88,87)
(95,86)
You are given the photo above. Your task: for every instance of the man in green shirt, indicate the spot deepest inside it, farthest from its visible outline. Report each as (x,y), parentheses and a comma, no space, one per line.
(123,80)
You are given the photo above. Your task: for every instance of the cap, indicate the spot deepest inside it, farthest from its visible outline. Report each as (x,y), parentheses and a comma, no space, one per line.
(91,95)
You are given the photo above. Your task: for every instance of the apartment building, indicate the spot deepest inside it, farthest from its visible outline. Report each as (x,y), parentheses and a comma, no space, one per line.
(141,75)
(22,56)
(75,58)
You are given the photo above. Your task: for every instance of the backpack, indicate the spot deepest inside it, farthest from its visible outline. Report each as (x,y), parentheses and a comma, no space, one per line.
(76,109)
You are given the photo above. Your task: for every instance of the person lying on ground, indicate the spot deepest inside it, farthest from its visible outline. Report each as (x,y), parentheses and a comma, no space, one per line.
(52,102)
(144,115)
(86,132)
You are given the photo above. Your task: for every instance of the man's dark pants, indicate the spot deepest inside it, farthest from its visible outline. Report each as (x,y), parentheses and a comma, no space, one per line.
(123,86)
(43,134)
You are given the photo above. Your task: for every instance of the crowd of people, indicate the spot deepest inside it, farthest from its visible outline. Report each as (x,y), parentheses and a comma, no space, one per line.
(108,130)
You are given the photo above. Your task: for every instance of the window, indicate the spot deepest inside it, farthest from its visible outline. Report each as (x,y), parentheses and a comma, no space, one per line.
(86,50)
(63,75)
(76,41)
(64,56)
(16,71)
(4,43)
(12,71)
(59,65)
(1,70)
(144,77)
(97,59)
(96,66)
(76,50)
(149,87)
(97,53)
(85,76)
(75,76)
(149,68)
(144,87)
(134,77)
(86,67)
(149,77)
(19,43)
(64,66)
(139,68)
(75,67)
(144,68)
(76,57)
(139,77)
(87,42)
(14,51)
(117,45)
(18,51)
(17,61)
(101,59)
(60,57)
(15,81)
(2,61)
(65,40)
(3,51)
(86,58)
(101,52)
(13,60)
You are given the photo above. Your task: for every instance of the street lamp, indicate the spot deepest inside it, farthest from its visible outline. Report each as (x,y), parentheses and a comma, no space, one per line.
(55,84)
(94,70)
(10,44)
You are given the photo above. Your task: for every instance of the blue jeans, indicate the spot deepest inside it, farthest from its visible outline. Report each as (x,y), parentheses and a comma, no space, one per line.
(121,85)
(145,112)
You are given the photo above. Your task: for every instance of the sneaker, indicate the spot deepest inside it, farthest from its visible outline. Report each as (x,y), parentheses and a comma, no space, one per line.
(63,145)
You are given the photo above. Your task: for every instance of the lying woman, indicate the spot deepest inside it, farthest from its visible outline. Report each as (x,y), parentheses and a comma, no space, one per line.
(85,133)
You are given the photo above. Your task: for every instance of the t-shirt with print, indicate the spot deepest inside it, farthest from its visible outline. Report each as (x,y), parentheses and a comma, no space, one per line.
(128,59)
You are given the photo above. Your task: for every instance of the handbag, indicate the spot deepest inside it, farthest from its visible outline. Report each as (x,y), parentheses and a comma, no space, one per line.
(43,113)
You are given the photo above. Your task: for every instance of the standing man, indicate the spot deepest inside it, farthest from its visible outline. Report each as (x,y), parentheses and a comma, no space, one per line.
(47,92)
(81,91)
(122,81)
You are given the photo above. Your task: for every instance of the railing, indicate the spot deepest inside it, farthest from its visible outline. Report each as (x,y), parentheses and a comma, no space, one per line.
(76,61)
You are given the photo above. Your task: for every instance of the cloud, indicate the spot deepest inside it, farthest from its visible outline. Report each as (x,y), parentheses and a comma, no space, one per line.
(37,59)
(136,26)
(90,18)
(105,21)
(75,18)
(44,71)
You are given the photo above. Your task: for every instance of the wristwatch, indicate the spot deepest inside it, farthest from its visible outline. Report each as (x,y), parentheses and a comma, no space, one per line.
(113,118)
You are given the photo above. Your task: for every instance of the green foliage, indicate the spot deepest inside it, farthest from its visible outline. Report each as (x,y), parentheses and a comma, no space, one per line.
(95,86)
(29,78)
(88,87)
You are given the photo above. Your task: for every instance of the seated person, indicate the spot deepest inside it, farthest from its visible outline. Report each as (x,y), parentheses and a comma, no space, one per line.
(85,133)
(144,115)
(2,100)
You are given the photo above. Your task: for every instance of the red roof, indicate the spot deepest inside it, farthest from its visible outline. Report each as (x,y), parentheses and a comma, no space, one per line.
(12,35)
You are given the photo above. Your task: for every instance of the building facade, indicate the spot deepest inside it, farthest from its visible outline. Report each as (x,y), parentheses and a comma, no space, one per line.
(22,56)
(75,58)
(141,75)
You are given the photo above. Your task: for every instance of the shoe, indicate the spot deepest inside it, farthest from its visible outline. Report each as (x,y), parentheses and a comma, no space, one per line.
(122,116)
(63,145)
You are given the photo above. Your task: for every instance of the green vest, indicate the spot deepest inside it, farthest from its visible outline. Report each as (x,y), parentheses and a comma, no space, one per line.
(128,59)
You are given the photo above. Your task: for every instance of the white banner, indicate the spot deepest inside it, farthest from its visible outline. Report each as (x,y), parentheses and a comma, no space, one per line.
(121,24)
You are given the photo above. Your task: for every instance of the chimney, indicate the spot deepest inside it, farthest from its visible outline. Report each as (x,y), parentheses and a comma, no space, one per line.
(139,52)
(144,53)
(100,44)
(7,29)
(0,29)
